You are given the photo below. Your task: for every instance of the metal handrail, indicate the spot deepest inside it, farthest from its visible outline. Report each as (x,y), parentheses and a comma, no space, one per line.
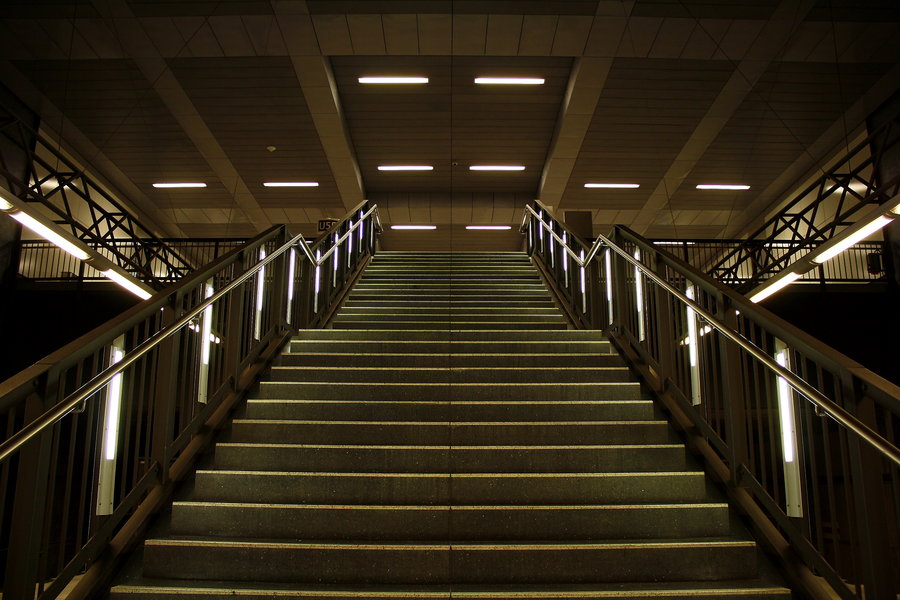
(829,407)
(70,402)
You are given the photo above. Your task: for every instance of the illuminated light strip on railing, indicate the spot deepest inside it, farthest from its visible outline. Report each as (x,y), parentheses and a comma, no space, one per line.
(583,292)
(292,259)
(48,234)
(565,261)
(316,284)
(693,342)
(787,421)
(126,283)
(106,478)
(639,296)
(205,339)
(609,291)
(350,245)
(334,269)
(260,294)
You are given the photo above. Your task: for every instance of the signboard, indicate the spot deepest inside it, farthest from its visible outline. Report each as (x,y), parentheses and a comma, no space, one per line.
(326,224)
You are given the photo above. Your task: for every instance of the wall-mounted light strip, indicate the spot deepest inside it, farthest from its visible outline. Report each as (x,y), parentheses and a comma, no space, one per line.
(639,297)
(278,184)
(787,421)
(722,186)
(489,227)
(509,80)
(179,185)
(205,335)
(496,168)
(126,283)
(292,260)
(613,186)
(260,296)
(414,227)
(4,205)
(860,234)
(106,480)
(393,80)
(48,234)
(775,284)
(405,168)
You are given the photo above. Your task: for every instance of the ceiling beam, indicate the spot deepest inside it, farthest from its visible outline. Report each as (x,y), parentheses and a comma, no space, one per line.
(775,34)
(138,45)
(320,91)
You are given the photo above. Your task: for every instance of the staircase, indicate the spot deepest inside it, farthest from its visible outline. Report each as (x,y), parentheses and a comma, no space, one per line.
(450,436)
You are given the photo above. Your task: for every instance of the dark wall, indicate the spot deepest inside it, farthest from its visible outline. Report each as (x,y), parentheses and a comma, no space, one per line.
(862,322)
(36,322)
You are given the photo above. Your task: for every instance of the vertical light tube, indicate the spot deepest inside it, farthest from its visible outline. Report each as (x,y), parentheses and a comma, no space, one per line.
(565,260)
(316,288)
(693,349)
(205,341)
(609,296)
(639,297)
(786,418)
(583,293)
(362,224)
(541,228)
(336,253)
(106,479)
(260,293)
(552,241)
(350,244)
(292,259)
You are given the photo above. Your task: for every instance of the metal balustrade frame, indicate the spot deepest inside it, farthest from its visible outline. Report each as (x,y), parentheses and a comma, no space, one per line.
(96,435)
(803,438)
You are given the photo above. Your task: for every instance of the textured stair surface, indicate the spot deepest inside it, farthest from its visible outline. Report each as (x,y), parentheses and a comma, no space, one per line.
(450,437)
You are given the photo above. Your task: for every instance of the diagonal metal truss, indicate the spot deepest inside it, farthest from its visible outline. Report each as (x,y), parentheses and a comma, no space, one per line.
(73,200)
(816,214)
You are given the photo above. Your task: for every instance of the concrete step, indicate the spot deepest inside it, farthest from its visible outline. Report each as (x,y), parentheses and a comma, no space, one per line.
(462,335)
(373,458)
(696,590)
(471,433)
(462,316)
(447,348)
(365,324)
(443,392)
(569,562)
(341,374)
(450,359)
(453,304)
(459,522)
(277,487)
(429,410)
(445,309)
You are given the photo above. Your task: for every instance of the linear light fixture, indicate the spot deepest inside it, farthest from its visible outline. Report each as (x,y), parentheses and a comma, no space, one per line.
(5,205)
(414,227)
(614,186)
(509,80)
(186,184)
(496,167)
(126,283)
(860,234)
(777,284)
(394,80)
(48,234)
(722,186)
(405,168)
(277,184)
(489,227)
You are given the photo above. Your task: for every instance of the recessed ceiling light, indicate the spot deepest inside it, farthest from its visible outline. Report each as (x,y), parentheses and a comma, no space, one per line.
(489,227)
(291,184)
(405,168)
(496,168)
(722,186)
(400,80)
(179,185)
(613,186)
(413,226)
(510,80)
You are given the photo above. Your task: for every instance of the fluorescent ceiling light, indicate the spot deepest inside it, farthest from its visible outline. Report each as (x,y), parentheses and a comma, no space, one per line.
(49,235)
(291,184)
(496,168)
(179,185)
(851,239)
(126,283)
(400,80)
(775,286)
(614,186)
(510,80)
(405,168)
(722,186)
(489,227)
(414,227)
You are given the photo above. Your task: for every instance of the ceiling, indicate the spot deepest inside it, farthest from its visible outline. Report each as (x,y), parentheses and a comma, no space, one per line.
(666,94)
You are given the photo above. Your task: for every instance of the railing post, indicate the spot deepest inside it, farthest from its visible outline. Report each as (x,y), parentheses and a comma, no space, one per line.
(166,391)
(733,392)
(878,573)
(664,317)
(30,505)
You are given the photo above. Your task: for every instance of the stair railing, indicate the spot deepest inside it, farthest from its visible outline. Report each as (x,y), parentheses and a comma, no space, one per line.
(804,438)
(96,434)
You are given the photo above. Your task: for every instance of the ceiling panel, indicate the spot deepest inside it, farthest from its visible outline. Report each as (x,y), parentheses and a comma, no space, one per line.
(251,104)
